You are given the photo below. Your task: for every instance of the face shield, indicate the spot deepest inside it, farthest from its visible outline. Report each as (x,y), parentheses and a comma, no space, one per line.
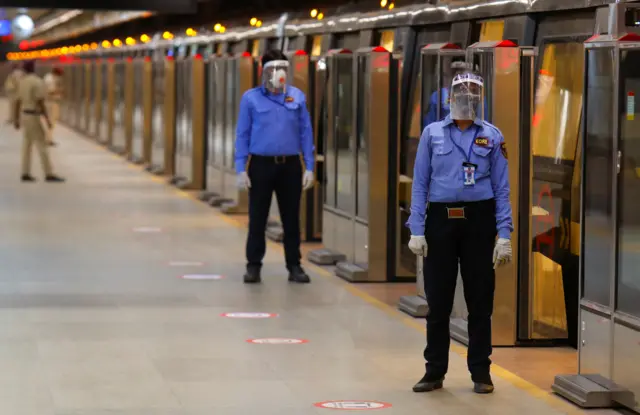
(275,76)
(467,95)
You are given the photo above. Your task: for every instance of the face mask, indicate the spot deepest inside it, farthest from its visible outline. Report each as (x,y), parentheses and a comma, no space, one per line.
(464,106)
(279,79)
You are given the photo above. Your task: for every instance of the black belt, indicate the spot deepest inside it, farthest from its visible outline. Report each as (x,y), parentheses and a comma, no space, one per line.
(32,112)
(462,210)
(275,159)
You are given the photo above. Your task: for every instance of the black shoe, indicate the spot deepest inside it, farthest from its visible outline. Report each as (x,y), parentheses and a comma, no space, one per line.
(252,276)
(428,383)
(27,178)
(483,386)
(54,179)
(297,274)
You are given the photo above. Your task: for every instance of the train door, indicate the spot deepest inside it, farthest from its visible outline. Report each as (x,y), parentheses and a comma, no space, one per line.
(438,62)
(371,161)
(118,136)
(193,151)
(182,126)
(138,111)
(88,96)
(158,97)
(217,93)
(97,99)
(609,303)
(240,77)
(338,194)
(166,165)
(79,73)
(106,95)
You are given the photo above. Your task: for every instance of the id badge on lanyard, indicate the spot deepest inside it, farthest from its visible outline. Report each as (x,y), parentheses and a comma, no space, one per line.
(468,168)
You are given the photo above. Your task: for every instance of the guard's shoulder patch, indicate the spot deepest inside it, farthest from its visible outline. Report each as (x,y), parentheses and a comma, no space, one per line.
(503,149)
(288,99)
(482,141)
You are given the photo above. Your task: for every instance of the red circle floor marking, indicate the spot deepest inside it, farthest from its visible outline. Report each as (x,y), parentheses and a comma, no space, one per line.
(353,405)
(249,315)
(201,277)
(277,340)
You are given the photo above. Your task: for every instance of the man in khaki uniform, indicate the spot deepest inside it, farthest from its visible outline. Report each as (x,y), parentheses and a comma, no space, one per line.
(53,83)
(11,89)
(30,107)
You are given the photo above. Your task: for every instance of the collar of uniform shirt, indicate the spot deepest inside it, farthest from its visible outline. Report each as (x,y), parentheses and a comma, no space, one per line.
(274,95)
(448,121)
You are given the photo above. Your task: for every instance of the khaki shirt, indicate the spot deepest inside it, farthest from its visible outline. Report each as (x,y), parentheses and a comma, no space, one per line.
(12,83)
(53,85)
(31,91)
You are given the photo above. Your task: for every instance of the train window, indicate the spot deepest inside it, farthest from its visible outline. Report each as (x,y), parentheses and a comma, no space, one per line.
(598,174)
(629,180)
(255,48)
(555,136)
(491,30)
(386,39)
(316,47)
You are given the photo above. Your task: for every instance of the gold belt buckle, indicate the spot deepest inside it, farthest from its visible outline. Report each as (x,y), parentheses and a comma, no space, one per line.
(456,213)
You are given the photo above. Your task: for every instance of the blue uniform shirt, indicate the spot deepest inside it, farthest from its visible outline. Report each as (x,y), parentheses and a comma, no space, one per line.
(273,125)
(438,177)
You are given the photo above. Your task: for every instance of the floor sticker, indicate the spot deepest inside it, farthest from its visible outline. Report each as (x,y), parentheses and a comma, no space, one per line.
(201,277)
(249,315)
(186,263)
(277,340)
(147,229)
(353,405)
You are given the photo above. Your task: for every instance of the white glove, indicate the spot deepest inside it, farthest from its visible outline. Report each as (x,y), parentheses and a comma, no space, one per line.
(243,181)
(502,253)
(307,180)
(418,245)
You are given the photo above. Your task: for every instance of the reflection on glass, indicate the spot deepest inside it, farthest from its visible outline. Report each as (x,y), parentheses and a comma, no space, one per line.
(344,149)
(220,67)
(598,171)
(483,64)
(555,137)
(362,158)
(104,119)
(492,30)
(232,108)
(629,187)
(387,38)
(316,47)
(158,101)
(211,109)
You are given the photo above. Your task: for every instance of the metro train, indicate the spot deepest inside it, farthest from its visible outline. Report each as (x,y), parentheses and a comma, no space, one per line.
(172,105)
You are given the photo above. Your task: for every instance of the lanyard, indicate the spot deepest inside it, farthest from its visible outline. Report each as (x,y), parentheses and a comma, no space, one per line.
(467,154)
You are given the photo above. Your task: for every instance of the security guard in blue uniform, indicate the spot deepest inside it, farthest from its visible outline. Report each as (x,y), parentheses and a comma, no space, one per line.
(274,129)
(461,185)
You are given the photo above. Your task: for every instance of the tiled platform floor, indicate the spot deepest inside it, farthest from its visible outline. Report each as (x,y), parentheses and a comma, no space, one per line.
(94,320)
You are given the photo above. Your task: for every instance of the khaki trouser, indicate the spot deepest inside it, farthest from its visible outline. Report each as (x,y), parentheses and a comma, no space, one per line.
(11,109)
(53,110)
(34,133)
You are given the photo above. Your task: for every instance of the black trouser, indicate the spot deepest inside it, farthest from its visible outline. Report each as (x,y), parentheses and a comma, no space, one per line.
(469,240)
(282,175)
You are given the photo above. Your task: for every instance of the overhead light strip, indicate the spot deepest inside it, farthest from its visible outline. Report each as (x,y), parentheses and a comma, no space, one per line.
(63,18)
